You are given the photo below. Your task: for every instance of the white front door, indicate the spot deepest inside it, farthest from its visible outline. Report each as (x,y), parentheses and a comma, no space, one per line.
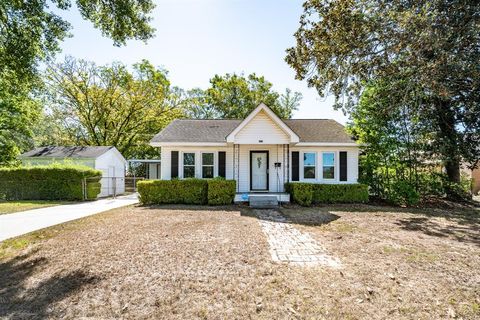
(259,170)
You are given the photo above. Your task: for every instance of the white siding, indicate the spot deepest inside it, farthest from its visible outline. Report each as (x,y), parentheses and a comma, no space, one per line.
(261,127)
(275,152)
(112,165)
(167,158)
(352,163)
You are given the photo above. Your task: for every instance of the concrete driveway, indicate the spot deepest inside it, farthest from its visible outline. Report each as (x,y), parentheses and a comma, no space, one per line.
(16,224)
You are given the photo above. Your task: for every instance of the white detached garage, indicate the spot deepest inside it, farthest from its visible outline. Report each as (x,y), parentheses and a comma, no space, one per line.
(104,158)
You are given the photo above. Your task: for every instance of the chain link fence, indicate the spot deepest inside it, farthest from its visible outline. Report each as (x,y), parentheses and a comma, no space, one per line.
(67,189)
(50,189)
(131,183)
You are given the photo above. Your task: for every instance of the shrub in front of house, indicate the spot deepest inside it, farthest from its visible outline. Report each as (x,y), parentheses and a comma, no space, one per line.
(301,193)
(221,191)
(307,193)
(52,182)
(187,191)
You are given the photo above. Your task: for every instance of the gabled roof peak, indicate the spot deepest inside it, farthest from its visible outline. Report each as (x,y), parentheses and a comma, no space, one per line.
(276,119)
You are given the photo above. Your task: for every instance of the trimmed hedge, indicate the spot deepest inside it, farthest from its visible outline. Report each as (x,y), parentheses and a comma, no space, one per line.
(307,193)
(53,182)
(221,191)
(187,191)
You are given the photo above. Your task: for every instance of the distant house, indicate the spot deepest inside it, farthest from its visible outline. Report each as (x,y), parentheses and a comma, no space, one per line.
(261,152)
(104,158)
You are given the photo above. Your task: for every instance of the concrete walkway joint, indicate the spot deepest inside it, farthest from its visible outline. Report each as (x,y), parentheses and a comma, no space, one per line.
(289,245)
(16,224)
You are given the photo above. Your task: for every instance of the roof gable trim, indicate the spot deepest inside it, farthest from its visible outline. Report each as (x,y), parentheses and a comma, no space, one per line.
(293,136)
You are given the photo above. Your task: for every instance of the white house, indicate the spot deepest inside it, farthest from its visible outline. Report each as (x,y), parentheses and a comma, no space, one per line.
(261,152)
(104,158)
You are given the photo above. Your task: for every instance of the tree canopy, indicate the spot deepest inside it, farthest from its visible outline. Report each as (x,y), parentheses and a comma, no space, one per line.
(233,96)
(30,33)
(429,48)
(109,105)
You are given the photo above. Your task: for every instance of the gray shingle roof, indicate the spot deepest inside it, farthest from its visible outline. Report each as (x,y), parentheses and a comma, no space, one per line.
(196,131)
(319,130)
(309,130)
(67,152)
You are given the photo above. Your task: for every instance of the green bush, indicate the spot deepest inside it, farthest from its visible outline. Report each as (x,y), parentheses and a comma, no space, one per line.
(221,191)
(302,193)
(187,191)
(402,193)
(52,182)
(307,193)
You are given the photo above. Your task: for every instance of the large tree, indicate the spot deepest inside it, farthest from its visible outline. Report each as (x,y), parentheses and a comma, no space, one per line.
(18,113)
(30,33)
(434,45)
(109,105)
(233,96)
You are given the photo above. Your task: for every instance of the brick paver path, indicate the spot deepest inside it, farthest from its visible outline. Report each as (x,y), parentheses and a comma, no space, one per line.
(287,244)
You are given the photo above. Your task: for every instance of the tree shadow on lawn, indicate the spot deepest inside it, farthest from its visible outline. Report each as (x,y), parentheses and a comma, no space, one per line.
(462,222)
(19,301)
(192,207)
(315,218)
(463,231)
(311,216)
(242,209)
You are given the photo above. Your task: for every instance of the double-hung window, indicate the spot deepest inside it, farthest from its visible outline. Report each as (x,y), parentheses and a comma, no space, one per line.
(207,165)
(189,165)
(309,165)
(328,164)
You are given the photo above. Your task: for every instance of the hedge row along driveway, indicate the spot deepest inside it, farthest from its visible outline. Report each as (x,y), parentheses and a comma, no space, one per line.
(187,191)
(53,182)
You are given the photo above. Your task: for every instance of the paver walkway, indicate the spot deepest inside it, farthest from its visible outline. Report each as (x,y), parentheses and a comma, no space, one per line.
(287,244)
(16,224)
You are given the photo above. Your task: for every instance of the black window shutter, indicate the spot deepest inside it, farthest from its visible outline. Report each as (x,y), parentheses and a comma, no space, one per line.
(221,163)
(343,165)
(174,164)
(295,166)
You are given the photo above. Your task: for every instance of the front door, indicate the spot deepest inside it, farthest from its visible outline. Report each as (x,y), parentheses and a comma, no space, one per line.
(259,170)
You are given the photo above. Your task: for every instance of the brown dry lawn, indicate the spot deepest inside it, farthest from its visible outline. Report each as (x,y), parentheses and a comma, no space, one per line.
(193,262)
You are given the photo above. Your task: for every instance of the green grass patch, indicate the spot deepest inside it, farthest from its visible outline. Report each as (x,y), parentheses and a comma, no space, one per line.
(11,247)
(338,226)
(411,255)
(22,205)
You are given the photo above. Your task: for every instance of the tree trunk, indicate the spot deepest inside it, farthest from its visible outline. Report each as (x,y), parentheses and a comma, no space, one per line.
(449,147)
(452,167)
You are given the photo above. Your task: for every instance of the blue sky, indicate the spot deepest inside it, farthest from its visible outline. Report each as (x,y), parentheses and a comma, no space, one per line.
(196,39)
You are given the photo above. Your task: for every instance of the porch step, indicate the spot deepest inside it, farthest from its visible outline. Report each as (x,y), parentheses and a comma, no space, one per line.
(263,201)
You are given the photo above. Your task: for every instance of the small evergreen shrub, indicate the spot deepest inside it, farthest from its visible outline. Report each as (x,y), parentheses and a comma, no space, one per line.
(307,193)
(52,182)
(221,191)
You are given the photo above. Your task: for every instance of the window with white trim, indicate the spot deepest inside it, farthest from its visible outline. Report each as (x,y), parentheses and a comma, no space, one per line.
(328,165)
(189,165)
(207,165)
(309,161)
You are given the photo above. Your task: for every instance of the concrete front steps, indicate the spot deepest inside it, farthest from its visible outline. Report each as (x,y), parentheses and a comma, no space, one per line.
(263,201)
(282,197)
